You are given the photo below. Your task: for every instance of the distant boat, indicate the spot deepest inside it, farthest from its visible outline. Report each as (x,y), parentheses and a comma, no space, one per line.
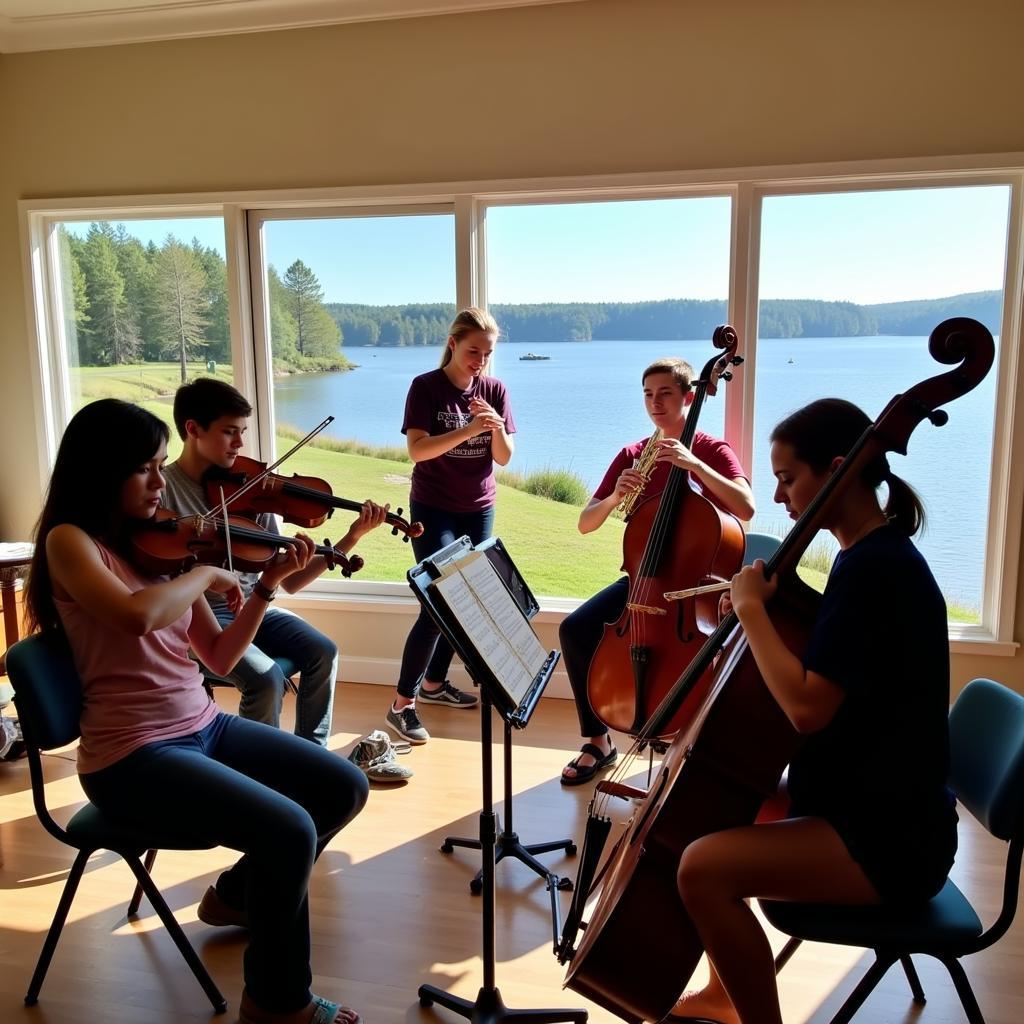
(532,356)
(789,360)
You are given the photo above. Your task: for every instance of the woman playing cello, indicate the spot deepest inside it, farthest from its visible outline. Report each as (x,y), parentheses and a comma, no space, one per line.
(712,464)
(871,819)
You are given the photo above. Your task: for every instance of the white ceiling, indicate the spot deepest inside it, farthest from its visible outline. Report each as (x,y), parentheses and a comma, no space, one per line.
(62,24)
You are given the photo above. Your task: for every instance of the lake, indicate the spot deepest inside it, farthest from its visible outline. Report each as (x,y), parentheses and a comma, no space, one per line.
(577,409)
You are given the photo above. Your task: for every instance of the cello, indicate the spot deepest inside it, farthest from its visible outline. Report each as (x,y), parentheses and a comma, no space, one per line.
(640,655)
(719,771)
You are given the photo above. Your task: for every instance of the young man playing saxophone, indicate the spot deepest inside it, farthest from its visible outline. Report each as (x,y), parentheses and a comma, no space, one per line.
(712,464)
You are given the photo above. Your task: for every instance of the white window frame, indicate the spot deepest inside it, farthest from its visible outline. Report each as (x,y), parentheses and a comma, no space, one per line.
(747,188)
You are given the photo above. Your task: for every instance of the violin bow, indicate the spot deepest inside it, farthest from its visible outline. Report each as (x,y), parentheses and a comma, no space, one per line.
(258,477)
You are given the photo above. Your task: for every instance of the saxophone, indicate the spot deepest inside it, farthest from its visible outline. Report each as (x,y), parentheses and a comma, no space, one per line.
(645,466)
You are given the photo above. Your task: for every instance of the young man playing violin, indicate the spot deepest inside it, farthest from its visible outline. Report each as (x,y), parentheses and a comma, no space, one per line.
(712,464)
(211,418)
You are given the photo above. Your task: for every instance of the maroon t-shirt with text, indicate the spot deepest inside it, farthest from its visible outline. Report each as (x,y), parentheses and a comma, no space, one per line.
(710,450)
(461,480)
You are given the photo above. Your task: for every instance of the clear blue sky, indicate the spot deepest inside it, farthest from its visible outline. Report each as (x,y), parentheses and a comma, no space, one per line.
(863,247)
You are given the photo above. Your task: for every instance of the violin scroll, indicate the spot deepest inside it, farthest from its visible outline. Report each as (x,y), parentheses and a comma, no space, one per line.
(348,564)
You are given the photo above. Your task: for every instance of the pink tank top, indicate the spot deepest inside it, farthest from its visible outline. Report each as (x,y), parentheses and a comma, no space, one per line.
(135,689)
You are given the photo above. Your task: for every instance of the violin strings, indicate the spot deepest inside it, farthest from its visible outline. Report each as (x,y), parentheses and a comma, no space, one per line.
(227,531)
(259,477)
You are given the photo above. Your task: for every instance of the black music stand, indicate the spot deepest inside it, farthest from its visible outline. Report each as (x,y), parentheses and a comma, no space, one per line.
(508,844)
(488,1008)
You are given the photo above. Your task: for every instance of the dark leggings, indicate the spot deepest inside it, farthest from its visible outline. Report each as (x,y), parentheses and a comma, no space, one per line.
(579,635)
(272,796)
(427,653)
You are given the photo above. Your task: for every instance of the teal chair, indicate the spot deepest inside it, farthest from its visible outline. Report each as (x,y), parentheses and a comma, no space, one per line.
(986,729)
(48,695)
(760,545)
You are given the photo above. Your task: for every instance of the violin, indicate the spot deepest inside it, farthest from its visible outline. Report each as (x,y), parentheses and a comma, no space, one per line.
(306,501)
(676,539)
(169,544)
(719,771)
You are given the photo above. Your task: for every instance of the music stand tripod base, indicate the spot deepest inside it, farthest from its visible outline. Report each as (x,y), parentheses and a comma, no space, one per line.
(507,843)
(489,1008)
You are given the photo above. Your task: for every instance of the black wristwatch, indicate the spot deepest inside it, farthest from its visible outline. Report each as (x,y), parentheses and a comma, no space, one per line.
(261,590)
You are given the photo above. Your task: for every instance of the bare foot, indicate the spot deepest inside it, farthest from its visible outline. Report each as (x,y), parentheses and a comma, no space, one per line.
(249,1011)
(711,1003)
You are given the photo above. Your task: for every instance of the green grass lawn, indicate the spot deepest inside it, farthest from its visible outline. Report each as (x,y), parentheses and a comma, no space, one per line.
(540,534)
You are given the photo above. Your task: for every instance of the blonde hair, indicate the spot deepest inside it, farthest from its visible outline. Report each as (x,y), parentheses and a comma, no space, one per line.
(466,322)
(681,370)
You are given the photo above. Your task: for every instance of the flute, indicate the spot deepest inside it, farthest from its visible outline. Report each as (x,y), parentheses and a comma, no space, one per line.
(711,588)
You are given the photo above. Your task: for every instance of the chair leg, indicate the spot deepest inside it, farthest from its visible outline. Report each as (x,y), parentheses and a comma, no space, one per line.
(785,953)
(915,982)
(175,931)
(133,907)
(963,989)
(57,926)
(874,975)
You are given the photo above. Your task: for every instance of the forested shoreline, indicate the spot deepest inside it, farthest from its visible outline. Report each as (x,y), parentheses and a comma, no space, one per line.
(126,302)
(668,319)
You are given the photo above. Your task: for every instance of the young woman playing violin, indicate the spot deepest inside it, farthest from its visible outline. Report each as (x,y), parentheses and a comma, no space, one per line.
(458,424)
(212,417)
(713,465)
(871,819)
(154,747)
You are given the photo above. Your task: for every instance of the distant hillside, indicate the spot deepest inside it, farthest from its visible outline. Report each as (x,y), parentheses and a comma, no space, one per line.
(921,316)
(667,320)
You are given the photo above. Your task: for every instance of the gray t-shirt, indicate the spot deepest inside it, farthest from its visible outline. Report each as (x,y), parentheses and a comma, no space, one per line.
(186,497)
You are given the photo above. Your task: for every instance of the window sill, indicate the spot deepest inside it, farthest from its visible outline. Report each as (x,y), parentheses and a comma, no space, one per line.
(395,599)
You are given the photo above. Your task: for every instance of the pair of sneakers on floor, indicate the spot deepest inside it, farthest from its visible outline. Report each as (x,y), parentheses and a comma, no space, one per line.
(406,723)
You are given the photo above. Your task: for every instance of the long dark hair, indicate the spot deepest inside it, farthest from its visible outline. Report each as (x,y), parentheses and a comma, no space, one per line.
(819,432)
(105,442)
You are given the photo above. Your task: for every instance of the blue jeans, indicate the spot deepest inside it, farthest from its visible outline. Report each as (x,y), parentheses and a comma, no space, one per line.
(261,681)
(579,636)
(276,799)
(427,653)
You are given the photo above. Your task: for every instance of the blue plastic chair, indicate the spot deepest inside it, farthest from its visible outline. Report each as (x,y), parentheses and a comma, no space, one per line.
(760,545)
(986,729)
(48,695)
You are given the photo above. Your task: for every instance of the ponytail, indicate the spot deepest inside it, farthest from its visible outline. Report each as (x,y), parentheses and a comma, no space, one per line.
(819,432)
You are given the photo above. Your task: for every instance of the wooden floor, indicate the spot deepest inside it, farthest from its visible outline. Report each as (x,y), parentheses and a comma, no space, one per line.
(389,911)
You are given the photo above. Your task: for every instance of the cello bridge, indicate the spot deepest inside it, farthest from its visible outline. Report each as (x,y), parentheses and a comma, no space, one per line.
(645,609)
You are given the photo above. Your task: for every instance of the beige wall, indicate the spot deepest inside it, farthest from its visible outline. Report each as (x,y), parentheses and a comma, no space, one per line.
(600,87)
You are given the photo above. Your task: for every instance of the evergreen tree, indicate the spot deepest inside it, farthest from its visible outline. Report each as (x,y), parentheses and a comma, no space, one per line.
(75,305)
(112,338)
(303,296)
(180,302)
(218,329)
(282,324)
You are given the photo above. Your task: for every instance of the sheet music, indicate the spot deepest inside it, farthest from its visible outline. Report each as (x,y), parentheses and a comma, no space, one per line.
(493,622)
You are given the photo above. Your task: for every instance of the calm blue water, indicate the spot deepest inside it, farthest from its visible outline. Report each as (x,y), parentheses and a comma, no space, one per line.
(577,409)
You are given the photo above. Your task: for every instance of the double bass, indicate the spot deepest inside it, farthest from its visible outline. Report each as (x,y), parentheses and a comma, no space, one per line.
(718,772)
(640,655)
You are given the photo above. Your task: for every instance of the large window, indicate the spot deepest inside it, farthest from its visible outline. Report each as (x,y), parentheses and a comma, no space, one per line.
(598,291)
(355,307)
(852,284)
(328,304)
(143,306)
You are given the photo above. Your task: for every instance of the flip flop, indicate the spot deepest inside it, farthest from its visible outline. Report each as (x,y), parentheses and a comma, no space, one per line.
(587,772)
(324,1012)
